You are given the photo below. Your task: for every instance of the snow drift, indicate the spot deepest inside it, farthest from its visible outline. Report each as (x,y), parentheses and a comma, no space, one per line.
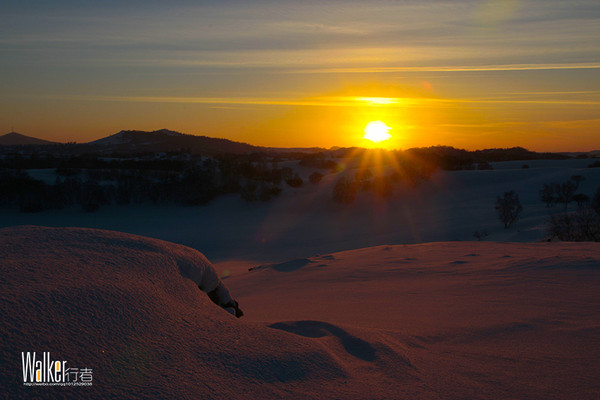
(119,304)
(430,321)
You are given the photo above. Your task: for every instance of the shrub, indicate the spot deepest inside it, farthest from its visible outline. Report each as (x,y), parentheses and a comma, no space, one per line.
(480,235)
(315,177)
(579,226)
(344,191)
(581,199)
(295,181)
(267,192)
(248,192)
(595,164)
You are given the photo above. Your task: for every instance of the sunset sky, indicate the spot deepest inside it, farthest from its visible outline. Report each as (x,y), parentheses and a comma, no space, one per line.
(469,74)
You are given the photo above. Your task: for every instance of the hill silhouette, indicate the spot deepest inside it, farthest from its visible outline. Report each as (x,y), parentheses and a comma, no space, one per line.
(16,139)
(167,140)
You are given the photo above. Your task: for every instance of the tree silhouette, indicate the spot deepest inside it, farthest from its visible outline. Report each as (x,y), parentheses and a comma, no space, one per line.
(508,207)
(548,194)
(566,192)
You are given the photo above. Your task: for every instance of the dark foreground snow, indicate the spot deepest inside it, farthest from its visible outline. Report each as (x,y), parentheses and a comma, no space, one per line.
(430,321)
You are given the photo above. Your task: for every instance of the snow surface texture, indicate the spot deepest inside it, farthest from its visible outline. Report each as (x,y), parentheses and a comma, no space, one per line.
(431,321)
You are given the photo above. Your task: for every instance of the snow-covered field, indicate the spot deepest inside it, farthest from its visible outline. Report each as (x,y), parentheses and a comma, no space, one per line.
(306,221)
(385,299)
(459,320)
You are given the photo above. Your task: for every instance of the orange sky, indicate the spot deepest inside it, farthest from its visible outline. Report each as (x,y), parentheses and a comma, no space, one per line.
(466,74)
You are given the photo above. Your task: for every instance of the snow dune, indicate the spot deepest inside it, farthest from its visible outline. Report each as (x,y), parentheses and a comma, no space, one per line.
(430,321)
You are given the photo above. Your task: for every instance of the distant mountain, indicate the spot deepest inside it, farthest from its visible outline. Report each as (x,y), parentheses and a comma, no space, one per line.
(16,139)
(167,140)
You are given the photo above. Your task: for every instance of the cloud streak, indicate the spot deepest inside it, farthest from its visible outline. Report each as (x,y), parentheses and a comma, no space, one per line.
(324,101)
(465,61)
(442,68)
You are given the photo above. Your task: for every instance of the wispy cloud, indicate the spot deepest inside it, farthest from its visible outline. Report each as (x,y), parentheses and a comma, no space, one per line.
(322,101)
(463,68)
(325,101)
(330,37)
(495,59)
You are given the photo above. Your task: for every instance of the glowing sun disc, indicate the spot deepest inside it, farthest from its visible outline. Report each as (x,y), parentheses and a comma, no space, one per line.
(377,131)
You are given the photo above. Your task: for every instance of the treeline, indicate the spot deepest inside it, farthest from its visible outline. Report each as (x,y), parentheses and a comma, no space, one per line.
(452,159)
(92,183)
(177,177)
(583,224)
(445,157)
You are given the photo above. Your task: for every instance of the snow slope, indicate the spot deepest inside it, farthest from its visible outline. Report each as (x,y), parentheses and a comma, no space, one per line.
(430,321)
(118,304)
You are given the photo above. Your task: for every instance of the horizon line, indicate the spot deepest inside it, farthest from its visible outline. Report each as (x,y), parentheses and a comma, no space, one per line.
(331,148)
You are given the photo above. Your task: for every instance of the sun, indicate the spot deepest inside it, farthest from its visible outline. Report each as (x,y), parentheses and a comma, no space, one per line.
(377,131)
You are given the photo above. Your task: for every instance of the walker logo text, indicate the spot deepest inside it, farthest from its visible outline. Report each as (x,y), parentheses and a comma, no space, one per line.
(41,370)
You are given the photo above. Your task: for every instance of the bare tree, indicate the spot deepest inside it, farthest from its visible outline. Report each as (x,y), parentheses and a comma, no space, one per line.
(566,192)
(508,207)
(548,193)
